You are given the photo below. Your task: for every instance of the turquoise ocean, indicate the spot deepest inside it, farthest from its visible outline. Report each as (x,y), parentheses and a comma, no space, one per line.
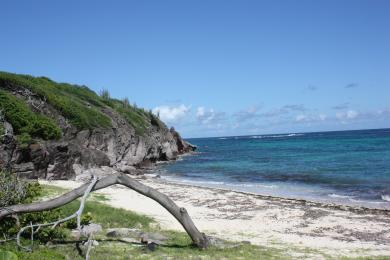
(344,167)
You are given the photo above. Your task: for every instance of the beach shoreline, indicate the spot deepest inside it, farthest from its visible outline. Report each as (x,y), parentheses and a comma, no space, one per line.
(330,229)
(321,203)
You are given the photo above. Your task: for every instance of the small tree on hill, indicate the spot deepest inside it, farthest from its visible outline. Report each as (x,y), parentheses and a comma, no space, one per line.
(105,94)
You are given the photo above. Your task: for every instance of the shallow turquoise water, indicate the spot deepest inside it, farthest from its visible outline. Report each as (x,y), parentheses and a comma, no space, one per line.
(351,167)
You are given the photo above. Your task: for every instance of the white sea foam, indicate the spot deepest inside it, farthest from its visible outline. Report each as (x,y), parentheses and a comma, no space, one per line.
(152,175)
(162,162)
(386,197)
(295,134)
(359,201)
(273,136)
(248,185)
(220,183)
(175,179)
(203,182)
(334,195)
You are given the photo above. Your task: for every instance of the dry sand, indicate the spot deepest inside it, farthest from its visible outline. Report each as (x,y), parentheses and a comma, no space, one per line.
(295,225)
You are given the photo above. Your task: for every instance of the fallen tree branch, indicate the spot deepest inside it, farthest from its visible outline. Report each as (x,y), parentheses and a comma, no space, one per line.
(181,215)
(7,239)
(77,214)
(89,247)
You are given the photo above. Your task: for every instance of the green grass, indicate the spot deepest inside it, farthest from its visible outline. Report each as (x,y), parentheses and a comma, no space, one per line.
(117,250)
(101,213)
(99,197)
(50,191)
(107,216)
(2,131)
(178,247)
(25,122)
(134,116)
(79,104)
(367,258)
(139,118)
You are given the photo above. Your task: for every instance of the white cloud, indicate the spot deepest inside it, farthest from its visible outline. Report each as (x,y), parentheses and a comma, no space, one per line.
(208,116)
(247,114)
(171,114)
(205,116)
(300,118)
(322,117)
(310,118)
(285,110)
(201,111)
(348,115)
(351,114)
(252,109)
(383,112)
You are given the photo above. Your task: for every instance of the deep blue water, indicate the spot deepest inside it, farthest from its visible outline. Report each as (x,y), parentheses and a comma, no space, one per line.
(351,167)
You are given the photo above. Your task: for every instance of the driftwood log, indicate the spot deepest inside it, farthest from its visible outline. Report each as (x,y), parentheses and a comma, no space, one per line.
(198,238)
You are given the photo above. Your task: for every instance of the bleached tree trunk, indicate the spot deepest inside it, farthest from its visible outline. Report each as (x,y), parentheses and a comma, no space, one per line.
(198,238)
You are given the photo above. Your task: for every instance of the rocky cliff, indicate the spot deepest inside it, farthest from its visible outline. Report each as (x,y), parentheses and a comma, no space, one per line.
(56,130)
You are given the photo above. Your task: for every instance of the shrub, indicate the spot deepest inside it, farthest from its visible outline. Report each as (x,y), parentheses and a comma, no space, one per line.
(80,105)
(2,131)
(15,191)
(105,94)
(126,102)
(154,120)
(24,121)
(47,234)
(12,190)
(77,103)
(85,220)
(24,140)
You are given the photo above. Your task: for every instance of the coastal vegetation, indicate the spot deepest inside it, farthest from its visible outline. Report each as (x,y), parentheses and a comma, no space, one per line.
(44,123)
(63,245)
(138,118)
(59,244)
(15,191)
(42,111)
(25,122)
(2,131)
(76,103)
(81,106)
(199,239)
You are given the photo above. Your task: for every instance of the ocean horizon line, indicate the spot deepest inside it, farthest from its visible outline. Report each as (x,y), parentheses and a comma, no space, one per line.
(288,133)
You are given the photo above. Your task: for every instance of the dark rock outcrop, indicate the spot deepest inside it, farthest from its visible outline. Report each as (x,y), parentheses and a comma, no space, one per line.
(182,146)
(118,147)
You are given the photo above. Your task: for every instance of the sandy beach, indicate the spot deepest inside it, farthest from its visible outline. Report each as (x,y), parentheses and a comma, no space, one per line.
(329,229)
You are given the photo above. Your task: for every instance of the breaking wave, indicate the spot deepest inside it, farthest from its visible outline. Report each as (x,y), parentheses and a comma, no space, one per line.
(334,195)
(386,197)
(274,136)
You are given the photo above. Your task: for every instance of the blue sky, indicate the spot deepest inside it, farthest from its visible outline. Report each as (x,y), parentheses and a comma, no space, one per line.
(215,68)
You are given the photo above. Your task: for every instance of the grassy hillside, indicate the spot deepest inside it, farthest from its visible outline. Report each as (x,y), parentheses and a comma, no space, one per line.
(80,105)
(25,122)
